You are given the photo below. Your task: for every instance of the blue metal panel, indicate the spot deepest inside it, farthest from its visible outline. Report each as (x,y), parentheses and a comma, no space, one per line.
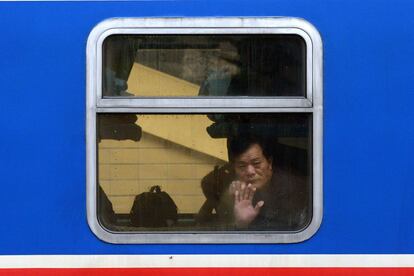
(368,148)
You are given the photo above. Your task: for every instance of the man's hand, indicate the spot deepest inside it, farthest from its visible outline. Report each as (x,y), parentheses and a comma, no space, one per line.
(244,212)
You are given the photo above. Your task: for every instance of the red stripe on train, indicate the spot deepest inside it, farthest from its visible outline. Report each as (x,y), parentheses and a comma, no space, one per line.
(212,271)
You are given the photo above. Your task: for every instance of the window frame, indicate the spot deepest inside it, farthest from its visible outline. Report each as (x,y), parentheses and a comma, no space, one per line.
(312,103)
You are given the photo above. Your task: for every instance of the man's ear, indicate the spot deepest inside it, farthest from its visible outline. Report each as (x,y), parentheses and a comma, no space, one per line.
(270,160)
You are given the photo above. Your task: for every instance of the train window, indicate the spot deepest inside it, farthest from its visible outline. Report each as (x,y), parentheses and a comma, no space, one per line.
(204,130)
(194,160)
(215,65)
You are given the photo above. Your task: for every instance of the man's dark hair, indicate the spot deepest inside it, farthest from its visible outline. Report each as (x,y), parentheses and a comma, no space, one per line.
(238,145)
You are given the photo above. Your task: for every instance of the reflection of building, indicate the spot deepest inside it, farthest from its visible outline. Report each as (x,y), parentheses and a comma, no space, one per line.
(174,152)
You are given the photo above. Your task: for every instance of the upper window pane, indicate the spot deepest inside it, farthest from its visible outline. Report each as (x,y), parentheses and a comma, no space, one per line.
(204,65)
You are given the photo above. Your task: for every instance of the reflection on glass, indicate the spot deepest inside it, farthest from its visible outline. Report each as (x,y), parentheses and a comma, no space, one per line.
(204,65)
(216,172)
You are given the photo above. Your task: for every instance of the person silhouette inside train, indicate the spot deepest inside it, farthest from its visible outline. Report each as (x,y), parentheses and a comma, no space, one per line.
(261,195)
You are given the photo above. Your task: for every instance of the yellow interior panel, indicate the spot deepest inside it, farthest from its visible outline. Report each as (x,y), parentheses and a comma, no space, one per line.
(185,130)
(128,168)
(144,81)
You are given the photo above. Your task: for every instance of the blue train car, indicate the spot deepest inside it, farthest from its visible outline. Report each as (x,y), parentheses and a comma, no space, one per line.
(122,123)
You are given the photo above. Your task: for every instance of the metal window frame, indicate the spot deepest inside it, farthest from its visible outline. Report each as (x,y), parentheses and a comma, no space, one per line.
(312,103)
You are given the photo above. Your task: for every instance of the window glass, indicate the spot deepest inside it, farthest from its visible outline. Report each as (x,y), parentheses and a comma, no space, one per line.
(181,172)
(204,65)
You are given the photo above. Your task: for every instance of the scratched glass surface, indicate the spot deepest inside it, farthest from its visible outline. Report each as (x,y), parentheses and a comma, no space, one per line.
(260,65)
(179,172)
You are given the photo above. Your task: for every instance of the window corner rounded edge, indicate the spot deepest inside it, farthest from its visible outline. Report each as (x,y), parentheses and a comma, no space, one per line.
(99,30)
(309,28)
(311,230)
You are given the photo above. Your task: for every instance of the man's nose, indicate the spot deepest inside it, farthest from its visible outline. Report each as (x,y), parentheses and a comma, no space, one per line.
(250,170)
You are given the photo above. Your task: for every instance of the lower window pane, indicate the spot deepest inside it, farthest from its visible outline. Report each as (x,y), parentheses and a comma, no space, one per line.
(215,172)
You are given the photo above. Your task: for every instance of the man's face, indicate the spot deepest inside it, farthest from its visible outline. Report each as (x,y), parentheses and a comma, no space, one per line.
(253,167)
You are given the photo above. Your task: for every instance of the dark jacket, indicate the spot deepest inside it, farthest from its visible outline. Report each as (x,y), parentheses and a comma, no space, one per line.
(286,204)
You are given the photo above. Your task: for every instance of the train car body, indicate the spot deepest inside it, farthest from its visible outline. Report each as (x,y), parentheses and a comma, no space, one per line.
(366,206)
